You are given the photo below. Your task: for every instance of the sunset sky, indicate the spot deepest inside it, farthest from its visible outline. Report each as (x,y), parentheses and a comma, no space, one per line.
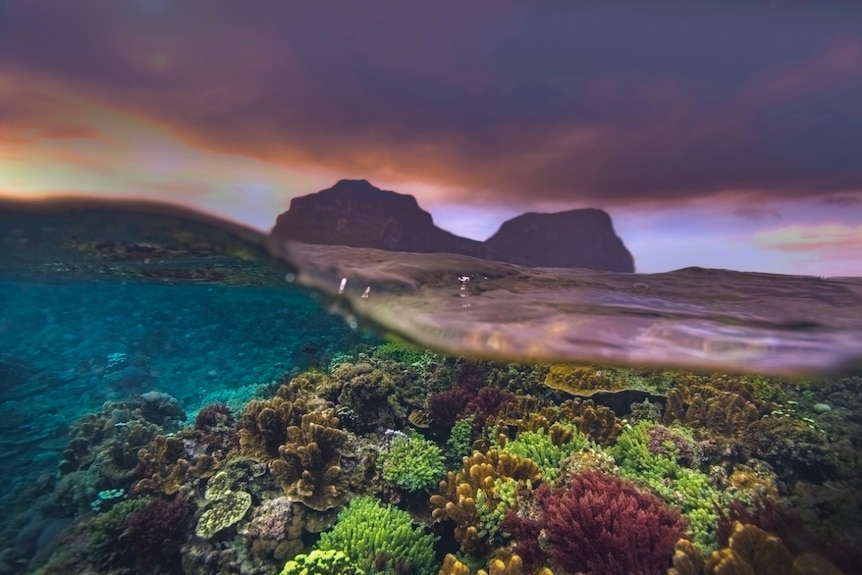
(717,134)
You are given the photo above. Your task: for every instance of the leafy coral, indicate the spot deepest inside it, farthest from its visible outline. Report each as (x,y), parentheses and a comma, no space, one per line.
(309,464)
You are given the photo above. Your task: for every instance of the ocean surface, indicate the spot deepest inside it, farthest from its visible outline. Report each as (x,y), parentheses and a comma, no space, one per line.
(111,313)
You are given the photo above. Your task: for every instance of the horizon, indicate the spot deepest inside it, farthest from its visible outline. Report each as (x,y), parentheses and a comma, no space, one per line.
(735,155)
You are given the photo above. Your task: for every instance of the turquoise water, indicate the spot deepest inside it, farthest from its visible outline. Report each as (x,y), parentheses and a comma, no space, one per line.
(119,328)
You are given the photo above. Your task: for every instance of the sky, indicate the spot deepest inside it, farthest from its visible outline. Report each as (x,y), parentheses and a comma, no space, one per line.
(716,134)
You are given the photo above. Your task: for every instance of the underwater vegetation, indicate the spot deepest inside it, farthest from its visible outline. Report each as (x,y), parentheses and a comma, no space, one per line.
(385,459)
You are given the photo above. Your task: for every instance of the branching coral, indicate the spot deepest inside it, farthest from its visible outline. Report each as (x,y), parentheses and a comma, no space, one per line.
(663,472)
(601,525)
(157,531)
(456,499)
(547,448)
(413,463)
(330,562)
(381,539)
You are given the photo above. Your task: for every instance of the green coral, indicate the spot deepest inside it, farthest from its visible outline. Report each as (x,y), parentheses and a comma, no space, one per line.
(381,539)
(413,463)
(319,562)
(228,509)
(107,528)
(460,442)
(547,453)
(677,484)
(403,353)
(492,508)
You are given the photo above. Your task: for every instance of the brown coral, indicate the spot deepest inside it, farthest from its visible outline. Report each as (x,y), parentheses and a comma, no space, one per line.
(579,379)
(309,463)
(721,404)
(750,551)
(512,565)
(457,497)
(598,422)
(264,423)
(166,465)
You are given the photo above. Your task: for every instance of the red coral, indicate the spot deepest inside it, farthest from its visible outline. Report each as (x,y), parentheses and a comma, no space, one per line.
(488,402)
(600,525)
(444,408)
(214,415)
(157,531)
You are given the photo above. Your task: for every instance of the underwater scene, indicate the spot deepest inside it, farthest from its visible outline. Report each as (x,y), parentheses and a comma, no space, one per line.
(176,400)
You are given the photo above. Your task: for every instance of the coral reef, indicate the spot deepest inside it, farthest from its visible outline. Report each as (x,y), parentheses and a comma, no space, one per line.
(600,525)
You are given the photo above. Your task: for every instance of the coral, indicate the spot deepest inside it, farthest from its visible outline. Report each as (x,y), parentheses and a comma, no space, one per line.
(547,448)
(492,505)
(157,531)
(364,389)
(665,475)
(595,421)
(309,463)
(167,464)
(600,524)
(581,380)
(413,463)
(224,511)
(319,562)
(489,402)
(402,353)
(720,404)
(381,539)
(794,449)
(687,559)
(106,545)
(263,425)
(275,529)
(460,442)
(445,407)
(457,495)
(214,416)
(673,443)
(513,565)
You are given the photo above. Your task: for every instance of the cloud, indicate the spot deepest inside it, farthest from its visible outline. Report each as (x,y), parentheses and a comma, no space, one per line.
(798,238)
(494,102)
(756,214)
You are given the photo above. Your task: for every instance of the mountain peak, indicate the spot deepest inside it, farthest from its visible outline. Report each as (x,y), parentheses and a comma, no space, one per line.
(358,214)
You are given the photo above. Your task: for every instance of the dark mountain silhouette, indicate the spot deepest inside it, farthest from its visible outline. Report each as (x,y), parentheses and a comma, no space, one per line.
(357,214)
